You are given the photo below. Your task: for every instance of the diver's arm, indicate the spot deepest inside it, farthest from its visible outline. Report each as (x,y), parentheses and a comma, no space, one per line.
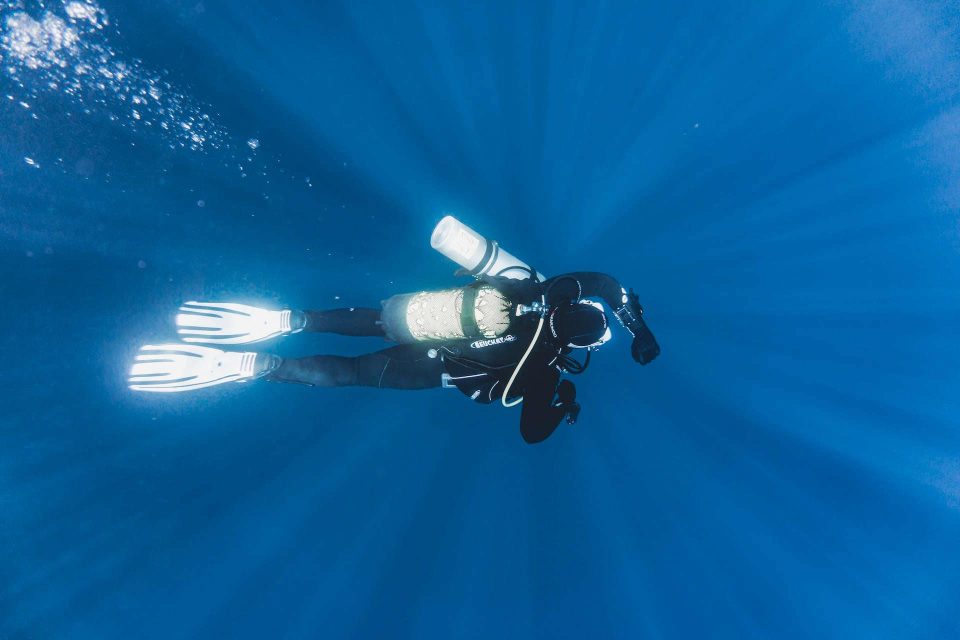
(540,415)
(592,284)
(625,305)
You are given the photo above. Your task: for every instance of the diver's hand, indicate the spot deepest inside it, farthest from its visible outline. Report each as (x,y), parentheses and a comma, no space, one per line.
(644,348)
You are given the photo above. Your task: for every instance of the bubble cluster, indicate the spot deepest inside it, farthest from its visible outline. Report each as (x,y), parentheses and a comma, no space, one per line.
(62,47)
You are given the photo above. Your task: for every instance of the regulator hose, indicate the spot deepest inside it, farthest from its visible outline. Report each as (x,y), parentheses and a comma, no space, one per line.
(536,336)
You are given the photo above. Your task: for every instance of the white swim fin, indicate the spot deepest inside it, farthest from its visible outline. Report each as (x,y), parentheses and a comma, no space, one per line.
(233,323)
(171,368)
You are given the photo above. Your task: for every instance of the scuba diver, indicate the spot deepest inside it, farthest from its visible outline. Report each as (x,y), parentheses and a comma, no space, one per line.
(509,336)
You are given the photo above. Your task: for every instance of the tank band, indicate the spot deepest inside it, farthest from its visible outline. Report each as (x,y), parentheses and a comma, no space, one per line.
(492,249)
(468,318)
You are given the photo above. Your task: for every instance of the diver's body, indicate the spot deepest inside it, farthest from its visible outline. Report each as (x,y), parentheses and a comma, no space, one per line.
(480,368)
(497,339)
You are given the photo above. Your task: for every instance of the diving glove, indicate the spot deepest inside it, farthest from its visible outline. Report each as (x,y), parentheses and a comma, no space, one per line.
(171,368)
(233,323)
(644,347)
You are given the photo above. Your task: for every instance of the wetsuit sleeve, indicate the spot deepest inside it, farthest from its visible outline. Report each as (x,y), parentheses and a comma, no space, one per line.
(598,285)
(538,417)
(626,306)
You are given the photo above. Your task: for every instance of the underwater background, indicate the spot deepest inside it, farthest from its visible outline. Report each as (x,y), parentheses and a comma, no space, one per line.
(779,181)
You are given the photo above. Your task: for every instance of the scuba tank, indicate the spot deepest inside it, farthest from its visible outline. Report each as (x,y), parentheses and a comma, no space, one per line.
(482,257)
(476,311)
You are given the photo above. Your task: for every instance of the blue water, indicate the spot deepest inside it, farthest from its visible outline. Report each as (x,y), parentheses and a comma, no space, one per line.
(779,183)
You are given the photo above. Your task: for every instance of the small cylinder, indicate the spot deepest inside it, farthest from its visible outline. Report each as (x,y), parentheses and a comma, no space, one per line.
(459,242)
(475,253)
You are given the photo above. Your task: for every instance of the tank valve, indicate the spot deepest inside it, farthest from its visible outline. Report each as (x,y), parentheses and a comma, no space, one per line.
(535,307)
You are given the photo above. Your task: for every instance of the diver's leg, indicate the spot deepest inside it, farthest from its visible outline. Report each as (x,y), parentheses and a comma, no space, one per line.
(400,367)
(236,323)
(317,371)
(355,321)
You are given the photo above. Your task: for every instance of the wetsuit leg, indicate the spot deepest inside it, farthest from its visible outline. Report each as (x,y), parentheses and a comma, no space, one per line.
(355,321)
(400,367)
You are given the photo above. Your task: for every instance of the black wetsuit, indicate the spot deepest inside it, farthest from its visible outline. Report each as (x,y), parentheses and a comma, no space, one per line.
(480,368)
